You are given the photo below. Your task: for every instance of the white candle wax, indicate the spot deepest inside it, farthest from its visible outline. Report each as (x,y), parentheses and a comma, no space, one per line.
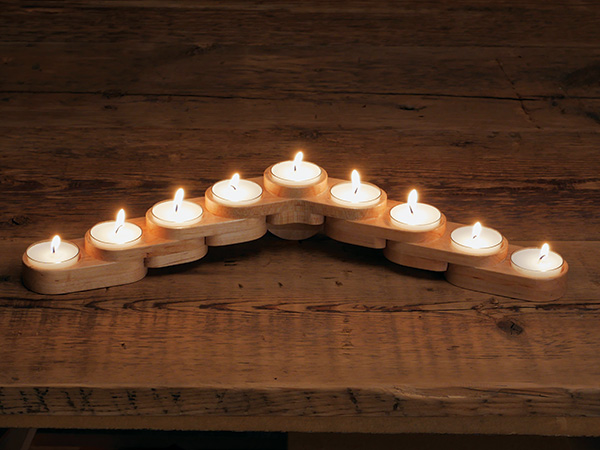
(176,213)
(367,195)
(188,213)
(116,234)
(355,193)
(296,173)
(413,216)
(236,192)
(422,218)
(528,262)
(41,256)
(487,242)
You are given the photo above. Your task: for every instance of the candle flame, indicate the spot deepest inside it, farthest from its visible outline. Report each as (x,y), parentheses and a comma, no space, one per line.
(355,181)
(476,230)
(413,197)
(235,181)
(298,160)
(178,200)
(120,220)
(55,243)
(544,252)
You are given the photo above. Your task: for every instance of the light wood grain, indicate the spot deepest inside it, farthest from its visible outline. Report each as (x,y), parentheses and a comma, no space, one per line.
(279,189)
(364,226)
(340,230)
(442,249)
(417,262)
(87,273)
(503,282)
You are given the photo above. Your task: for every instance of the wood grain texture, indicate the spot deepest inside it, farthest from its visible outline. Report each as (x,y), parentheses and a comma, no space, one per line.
(533,23)
(490,110)
(501,280)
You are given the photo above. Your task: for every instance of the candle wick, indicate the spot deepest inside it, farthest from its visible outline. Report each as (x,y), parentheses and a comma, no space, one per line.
(411,210)
(176,208)
(233,187)
(53,250)
(541,257)
(118,228)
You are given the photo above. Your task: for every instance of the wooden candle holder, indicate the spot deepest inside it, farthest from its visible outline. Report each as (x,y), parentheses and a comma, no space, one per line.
(293,213)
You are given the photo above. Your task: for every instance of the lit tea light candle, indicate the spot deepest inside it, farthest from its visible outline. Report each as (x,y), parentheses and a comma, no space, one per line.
(52,254)
(297,172)
(414,216)
(116,234)
(176,213)
(236,192)
(355,193)
(477,240)
(537,262)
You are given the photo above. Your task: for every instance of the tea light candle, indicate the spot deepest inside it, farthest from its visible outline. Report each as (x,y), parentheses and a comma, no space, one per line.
(176,213)
(296,173)
(537,262)
(355,193)
(52,254)
(414,216)
(116,234)
(236,192)
(477,240)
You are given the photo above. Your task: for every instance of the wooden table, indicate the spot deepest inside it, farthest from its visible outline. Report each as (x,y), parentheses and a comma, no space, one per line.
(490,109)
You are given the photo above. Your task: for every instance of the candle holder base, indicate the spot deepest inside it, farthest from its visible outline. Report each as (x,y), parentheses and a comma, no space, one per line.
(294,231)
(415,262)
(276,187)
(193,250)
(255,228)
(505,281)
(87,273)
(298,216)
(344,231)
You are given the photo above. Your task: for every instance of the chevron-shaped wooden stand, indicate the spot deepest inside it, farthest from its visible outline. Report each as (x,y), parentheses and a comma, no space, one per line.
(293,213)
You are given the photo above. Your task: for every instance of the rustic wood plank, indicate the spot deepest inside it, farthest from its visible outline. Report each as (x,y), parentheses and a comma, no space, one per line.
(223,262)
(490,109)
(346,111)
(284,307)
(551,194)
(421,353)
(242,70)
(519,24)
(556,426)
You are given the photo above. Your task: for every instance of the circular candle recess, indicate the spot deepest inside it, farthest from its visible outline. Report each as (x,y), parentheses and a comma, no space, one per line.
(477,240)
(356,194)
(414,216)
(116,234)
(52,254)
(296,173)
(236,192)
(537,262)
(176,213)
